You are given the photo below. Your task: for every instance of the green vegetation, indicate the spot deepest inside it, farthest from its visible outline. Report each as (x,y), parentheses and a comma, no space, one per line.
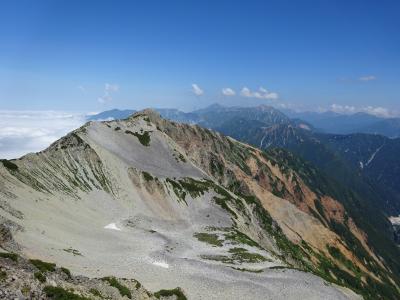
(190,186)
(26,290)
(242,255)
(284,268)
(247,270)
(320,208)
(123,290)
(143,138)
(95,292)
(9,165)
(222,203)
(40,276)
(216,167)
(238,255)
(58,293)
(178,190)
(177,292)
(222,258)
(43,266)
(138,285)
(194,187)
(3,275)
(210,238)
(181,157)
(178,156)
(66,272)
(12,256)
(147,176)
(237,237)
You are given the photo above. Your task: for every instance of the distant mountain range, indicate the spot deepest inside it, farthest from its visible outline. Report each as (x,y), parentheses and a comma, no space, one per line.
(326,122)
(331,122)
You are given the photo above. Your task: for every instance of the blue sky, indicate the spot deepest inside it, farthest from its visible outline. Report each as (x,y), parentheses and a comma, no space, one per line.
(97,55)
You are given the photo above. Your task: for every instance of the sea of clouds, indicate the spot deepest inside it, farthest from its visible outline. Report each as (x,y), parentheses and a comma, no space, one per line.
(22,132)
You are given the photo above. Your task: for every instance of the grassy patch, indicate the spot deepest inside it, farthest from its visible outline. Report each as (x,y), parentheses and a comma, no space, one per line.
(143,138)
(222,203)
(66,272)
(178,190)
(138,285)
(58,293)
(26,290)
(3,275)
(210,238)
(238,237)
(242,255)
(43,266)
(123,290)
(9,165)
(96,293)
(147,176)
(169,293)
(39,276)
(222,258)
(194,187)
(12,256)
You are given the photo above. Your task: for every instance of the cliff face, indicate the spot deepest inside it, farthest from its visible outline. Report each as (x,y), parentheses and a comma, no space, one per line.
(178,205)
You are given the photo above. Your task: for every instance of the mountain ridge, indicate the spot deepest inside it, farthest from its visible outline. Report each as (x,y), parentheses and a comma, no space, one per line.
(142,178)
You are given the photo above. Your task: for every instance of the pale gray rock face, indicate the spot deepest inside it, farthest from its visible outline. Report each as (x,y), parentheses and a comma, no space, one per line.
(108,200)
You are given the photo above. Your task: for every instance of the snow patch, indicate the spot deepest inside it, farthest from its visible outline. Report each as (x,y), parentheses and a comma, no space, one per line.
(161,264)
(304,126)
(395,220)
(373,155)
(112,226)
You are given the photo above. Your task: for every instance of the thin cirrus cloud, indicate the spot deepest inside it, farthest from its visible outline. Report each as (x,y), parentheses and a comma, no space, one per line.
(367,78)
(197,90)
(22,132)
(371,110)
(109,90)
(261,93)
(228,92)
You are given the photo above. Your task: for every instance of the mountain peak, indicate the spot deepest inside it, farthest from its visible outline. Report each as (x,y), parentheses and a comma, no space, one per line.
(149,112)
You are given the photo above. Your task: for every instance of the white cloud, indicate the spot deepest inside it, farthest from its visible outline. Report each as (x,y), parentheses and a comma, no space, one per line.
(22,132)
(378,111)
(109,89)
(228,92)
(367,78)
(81,88)
(343,109)
(372,110)
(261,93)
(197,90)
